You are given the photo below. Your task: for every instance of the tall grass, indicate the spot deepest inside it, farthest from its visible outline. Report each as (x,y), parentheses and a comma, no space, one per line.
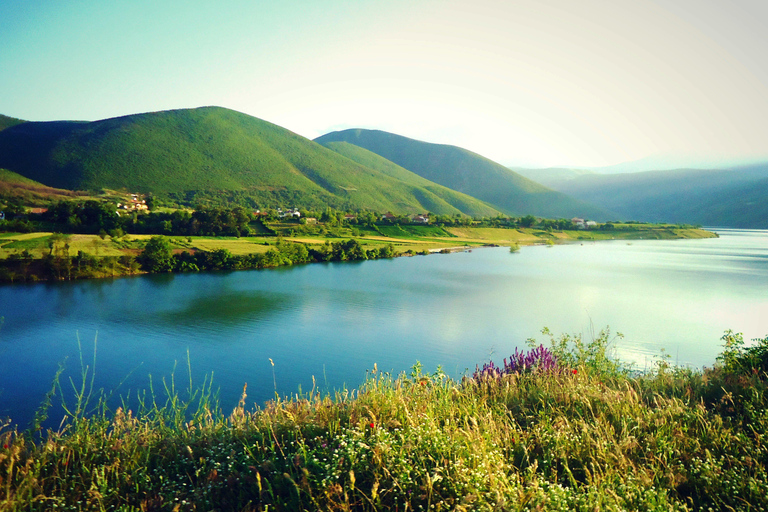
(582,434)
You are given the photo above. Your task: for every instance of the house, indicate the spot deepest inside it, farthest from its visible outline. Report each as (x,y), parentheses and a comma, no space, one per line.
(590,224)
(290,212)
(420,219)
(579,223)
(349,217)
(389,216)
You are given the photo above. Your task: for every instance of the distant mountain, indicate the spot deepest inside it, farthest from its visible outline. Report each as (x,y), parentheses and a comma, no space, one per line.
(742,205)
(210,149)
(675,161)
(468,172)
(736,197)
(552,176)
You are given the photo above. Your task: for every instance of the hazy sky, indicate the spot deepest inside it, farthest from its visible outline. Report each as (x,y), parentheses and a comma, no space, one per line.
(524,82)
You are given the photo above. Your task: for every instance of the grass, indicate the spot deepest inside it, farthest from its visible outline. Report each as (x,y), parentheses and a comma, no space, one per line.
(404,238)
(95,257)
(237,246)
(585,434)
(37,244)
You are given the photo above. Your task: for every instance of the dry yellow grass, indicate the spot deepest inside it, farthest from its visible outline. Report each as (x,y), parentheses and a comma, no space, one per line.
(238,246)
(493,235)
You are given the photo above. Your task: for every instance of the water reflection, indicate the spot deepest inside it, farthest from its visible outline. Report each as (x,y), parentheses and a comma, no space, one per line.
(229,308)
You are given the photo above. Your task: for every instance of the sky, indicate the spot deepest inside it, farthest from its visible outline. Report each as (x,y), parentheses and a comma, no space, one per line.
(536,83)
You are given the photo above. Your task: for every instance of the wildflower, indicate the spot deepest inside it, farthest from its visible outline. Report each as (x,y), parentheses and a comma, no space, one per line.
(574,371)
(371,425)
(5,446)
(539,359)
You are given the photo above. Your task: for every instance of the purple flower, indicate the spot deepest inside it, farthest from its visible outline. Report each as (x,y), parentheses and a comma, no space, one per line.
(539,359)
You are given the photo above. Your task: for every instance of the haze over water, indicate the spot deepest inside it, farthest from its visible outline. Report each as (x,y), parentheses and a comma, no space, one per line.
(334,321)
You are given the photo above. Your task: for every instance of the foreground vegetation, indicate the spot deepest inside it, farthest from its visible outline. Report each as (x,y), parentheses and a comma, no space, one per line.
(558,428)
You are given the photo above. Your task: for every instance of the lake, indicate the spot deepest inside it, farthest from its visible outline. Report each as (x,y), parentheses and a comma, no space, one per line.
(334,321)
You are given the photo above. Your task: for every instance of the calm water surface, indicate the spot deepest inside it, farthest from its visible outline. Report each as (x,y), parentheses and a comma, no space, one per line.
(334,321)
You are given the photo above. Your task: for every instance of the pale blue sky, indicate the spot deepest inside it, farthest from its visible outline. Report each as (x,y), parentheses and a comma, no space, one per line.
(524,82)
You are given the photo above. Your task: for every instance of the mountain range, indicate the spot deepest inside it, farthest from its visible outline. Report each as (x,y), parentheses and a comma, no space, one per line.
(735,197)
(213,149)
(209,151)
(467,172)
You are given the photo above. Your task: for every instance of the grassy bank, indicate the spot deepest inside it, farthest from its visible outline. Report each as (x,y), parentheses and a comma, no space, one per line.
(40,256)
(562,428)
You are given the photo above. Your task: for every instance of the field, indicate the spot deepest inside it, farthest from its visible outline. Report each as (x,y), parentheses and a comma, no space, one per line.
(405,238)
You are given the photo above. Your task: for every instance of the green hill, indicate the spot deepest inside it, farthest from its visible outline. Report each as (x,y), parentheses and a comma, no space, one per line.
(15,188)
(7,122)
(470,173)
(208,149)
(725,197)
(11,177)
(436,195)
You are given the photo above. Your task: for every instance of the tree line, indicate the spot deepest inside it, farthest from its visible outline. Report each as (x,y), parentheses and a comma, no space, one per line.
(94,217)
(103,217)
(158,256)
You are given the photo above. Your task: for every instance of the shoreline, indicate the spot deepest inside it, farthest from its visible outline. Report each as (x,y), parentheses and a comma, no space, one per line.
(33,270)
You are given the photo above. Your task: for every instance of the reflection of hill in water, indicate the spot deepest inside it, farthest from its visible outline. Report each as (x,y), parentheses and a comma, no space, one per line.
(230,307)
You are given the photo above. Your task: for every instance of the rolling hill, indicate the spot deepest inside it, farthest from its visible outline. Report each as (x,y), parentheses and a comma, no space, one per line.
(436,194)
(17,188)
(7,122)
(212,149)
(468,172)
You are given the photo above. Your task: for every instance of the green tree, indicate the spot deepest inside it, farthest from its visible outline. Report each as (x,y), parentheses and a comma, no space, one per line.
(156,256)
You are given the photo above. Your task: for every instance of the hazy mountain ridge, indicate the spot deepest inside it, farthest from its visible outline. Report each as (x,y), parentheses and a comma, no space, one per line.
(470,173)
(209,148)
(734,197)
(552,175)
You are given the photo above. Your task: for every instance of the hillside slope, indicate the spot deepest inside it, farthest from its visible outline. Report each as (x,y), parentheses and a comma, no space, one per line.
(7,122)
(205,149)
(437,194)
(728,197)
(468,172)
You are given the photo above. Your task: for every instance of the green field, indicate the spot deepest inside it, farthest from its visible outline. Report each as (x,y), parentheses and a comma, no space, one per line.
(404,238)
